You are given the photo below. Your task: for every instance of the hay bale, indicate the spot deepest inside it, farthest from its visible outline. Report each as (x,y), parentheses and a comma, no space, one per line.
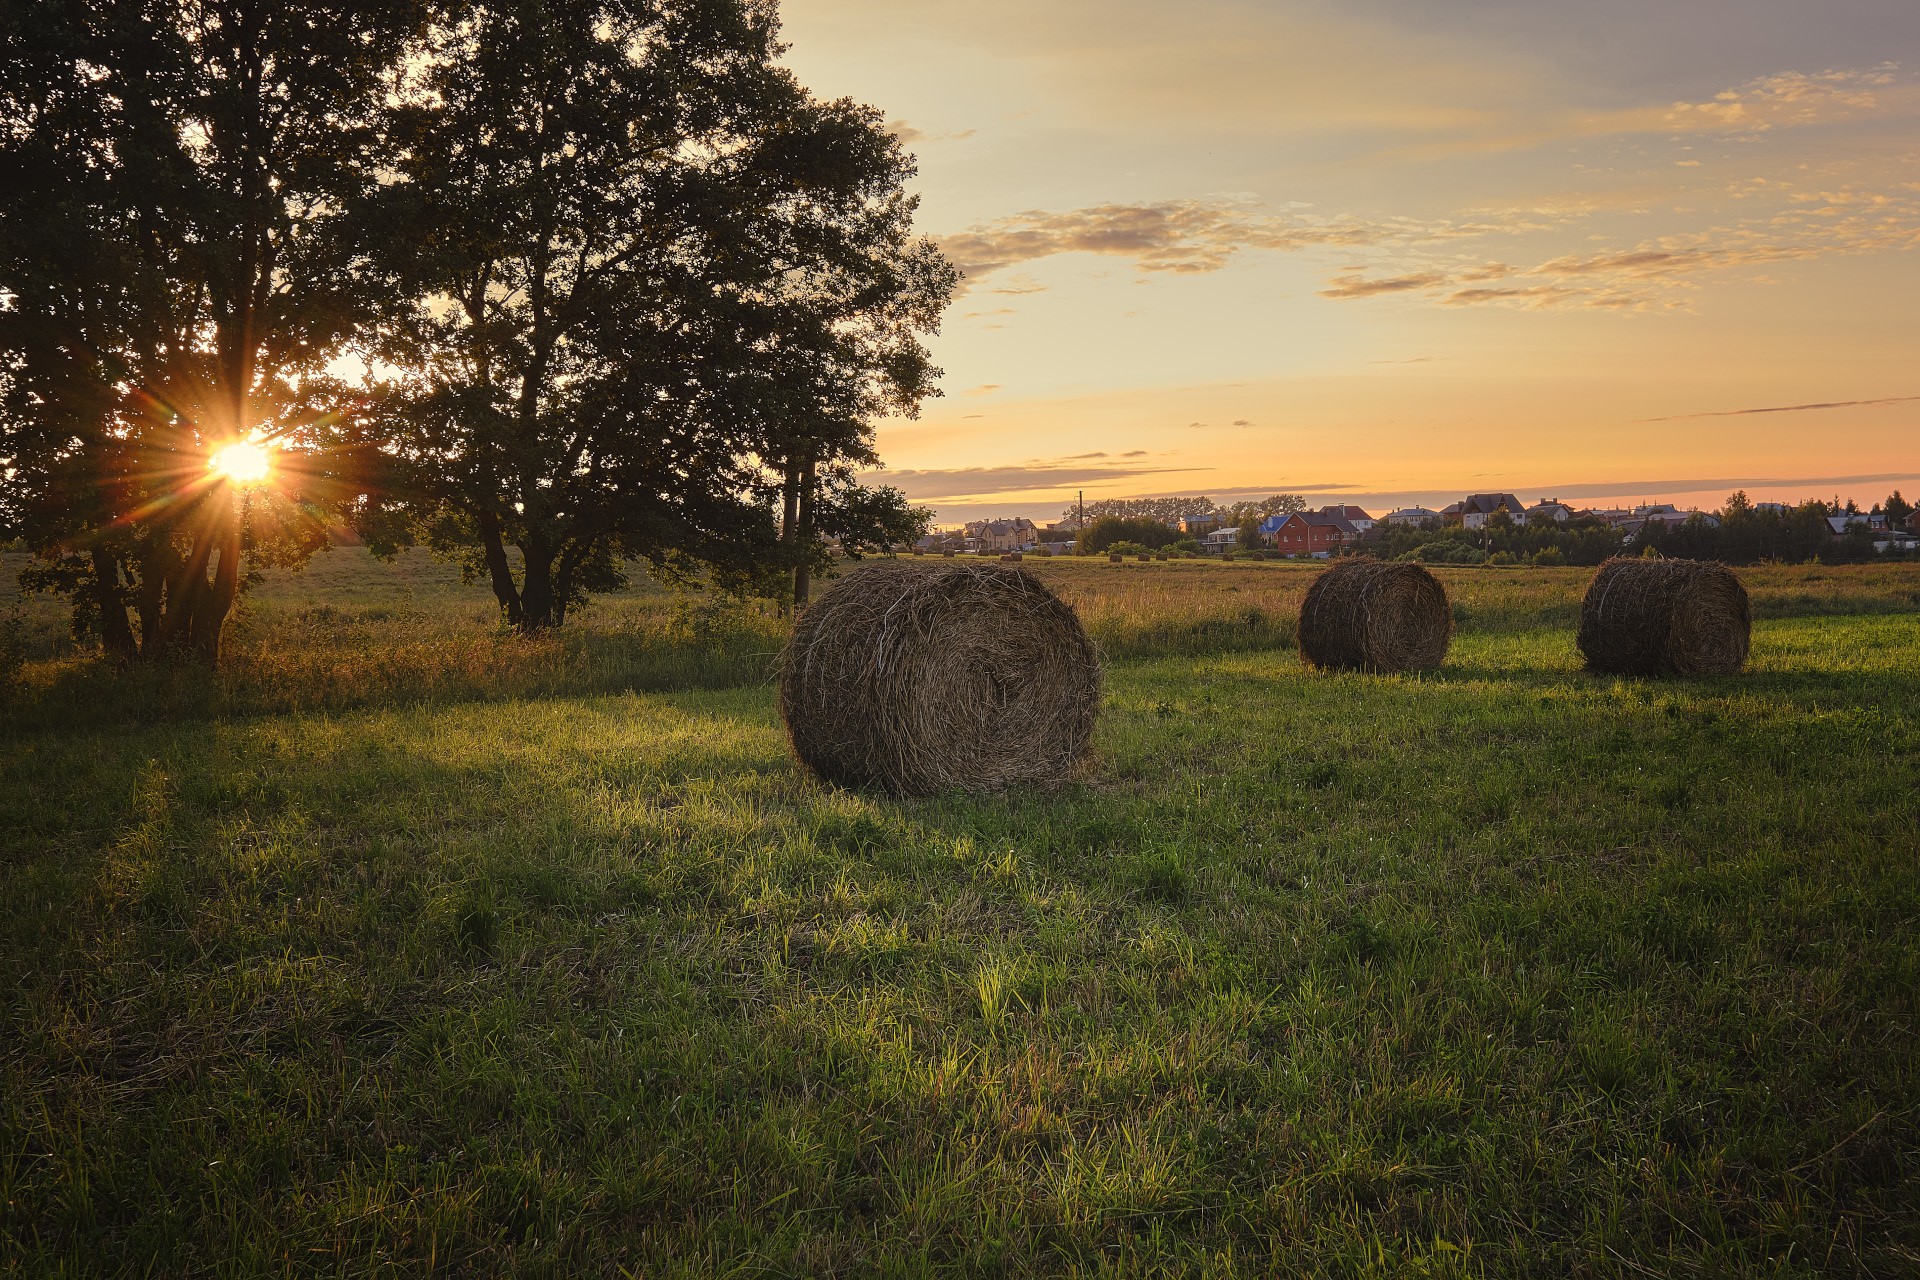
(1665,617)
(1115,557)
(1371,615)
(918,680)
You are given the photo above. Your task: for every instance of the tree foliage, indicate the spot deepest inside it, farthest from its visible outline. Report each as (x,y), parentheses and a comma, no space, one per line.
(1170,511)
(652,289)
(177,255)
(1104,533)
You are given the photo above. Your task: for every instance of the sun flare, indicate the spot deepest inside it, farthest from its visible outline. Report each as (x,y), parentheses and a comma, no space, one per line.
(242,462)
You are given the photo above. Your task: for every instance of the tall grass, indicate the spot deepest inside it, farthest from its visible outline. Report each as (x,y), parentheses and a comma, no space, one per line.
(354,632)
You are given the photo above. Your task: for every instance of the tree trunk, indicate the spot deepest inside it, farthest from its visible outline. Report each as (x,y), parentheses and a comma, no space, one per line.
(116,636)
(790,515)
(156,570)
(498,569)
(537,599)
(216,597)
(803,564)
(187,589)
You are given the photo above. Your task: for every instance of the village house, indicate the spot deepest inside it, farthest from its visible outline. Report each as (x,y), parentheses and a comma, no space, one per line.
(1478,508)
(1309,533)
(1662,513)
(1199,526)
(1549,509)
(1221,541)
(988,537)
(1411,516)
(1354,516)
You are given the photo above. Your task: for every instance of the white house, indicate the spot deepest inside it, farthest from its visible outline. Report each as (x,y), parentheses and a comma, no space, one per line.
(1478,508)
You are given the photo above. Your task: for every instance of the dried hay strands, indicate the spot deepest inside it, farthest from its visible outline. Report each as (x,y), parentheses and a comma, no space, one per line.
(1371,615)
(918,680)
(1665,617)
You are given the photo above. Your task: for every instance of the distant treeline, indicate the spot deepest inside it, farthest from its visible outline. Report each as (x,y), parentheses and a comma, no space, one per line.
(1739,533)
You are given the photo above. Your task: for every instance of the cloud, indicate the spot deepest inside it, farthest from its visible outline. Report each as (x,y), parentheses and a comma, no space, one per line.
(984,389)
(1648,488)
(1789,99)
(964,482)
(1355,286)
(909,135)
(1787,223)
(1539,295)
(1180,236)
(1242,422)
(1789,408)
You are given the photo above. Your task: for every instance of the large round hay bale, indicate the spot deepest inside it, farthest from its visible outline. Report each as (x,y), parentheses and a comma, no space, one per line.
(1371,615)
(916,680)
(1665,617)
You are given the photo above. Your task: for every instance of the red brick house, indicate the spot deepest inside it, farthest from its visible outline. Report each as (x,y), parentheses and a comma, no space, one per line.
(1313,533)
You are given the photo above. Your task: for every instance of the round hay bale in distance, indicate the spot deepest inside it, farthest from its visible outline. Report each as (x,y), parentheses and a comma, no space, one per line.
(1665,617)
(922,679)
(1372,615)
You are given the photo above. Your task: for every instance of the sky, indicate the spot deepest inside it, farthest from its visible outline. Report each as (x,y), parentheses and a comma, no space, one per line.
(1394,251)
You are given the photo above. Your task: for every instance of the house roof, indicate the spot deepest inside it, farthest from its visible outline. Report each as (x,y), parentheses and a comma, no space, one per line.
(1314,520)
(1345,512)
(1488,503)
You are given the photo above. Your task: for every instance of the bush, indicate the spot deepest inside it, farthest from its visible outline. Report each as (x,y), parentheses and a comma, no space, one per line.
(1103,534)
(1503,558)
(1451,551)
(1190,546)
(1549,557)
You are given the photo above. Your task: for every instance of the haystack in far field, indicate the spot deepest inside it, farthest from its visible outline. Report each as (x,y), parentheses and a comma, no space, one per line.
(1665,617)
(918,680)
(1369,615)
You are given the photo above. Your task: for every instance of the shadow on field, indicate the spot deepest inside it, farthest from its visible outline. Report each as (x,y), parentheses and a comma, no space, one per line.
(344,672)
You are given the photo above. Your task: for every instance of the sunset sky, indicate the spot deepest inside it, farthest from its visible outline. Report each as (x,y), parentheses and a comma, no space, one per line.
(1392,251)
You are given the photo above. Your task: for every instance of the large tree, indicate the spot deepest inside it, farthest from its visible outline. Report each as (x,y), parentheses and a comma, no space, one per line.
(178,186)
(653,283)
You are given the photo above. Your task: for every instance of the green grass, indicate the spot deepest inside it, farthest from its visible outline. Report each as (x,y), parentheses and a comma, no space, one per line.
(1506,970)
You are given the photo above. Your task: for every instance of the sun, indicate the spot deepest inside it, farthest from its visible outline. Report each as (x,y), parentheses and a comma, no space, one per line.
(242,462)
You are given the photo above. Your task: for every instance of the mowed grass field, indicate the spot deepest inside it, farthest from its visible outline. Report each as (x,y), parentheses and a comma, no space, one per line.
(403,946)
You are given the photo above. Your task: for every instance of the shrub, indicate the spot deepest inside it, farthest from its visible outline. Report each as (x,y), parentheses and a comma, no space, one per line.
(1549,557)
(1452,551)
(1103,534)
(1503,558)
